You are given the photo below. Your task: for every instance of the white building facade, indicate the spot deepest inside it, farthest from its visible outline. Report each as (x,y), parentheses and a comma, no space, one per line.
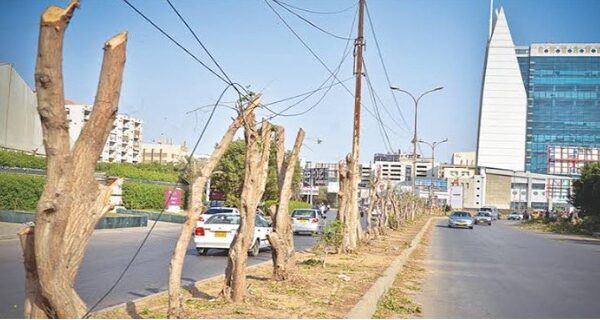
(123,144)
(503,110)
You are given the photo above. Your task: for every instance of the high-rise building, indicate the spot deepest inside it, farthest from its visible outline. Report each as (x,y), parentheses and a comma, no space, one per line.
(535,99)
(124,140)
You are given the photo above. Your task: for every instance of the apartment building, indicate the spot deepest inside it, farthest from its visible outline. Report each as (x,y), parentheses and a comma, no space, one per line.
(123,144)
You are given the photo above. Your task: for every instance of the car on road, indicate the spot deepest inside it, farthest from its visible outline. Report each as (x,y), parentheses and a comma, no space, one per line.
(307,220)
(460,219)
(217,232)
(492,210)
(216,210)
(483,217)
(515,216)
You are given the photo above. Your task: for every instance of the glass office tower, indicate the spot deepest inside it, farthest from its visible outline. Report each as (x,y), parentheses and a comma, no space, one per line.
(562,82)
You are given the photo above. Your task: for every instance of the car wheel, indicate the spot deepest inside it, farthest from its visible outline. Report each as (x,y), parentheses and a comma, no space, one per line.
(490,223)
(471,227)
(202,251)
(255,250)
(449,226)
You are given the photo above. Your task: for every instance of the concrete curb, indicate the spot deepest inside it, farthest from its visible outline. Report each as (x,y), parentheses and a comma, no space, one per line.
(137,301)
(367,305)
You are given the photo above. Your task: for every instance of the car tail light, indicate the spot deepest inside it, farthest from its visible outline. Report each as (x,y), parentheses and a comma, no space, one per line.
(199,231)
(315,220)
(201,219)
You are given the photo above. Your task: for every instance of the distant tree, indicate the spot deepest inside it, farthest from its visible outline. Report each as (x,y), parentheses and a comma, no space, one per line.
(322,196)
(586,190)
(229,175)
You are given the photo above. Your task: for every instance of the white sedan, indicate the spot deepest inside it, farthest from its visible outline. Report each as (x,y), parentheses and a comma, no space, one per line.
(307,220)
(217,232)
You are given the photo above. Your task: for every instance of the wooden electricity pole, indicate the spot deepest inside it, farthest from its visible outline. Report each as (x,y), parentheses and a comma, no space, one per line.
(349,188)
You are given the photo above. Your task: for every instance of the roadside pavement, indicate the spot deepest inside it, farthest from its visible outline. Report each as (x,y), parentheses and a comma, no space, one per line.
(9,230)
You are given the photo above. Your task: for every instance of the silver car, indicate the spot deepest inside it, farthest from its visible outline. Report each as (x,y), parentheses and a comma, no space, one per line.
(515,216)
(483,217)
(307,220)
(460,219)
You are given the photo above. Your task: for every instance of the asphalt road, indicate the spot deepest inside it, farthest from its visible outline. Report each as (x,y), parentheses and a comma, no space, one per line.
(109,252)
(504,272)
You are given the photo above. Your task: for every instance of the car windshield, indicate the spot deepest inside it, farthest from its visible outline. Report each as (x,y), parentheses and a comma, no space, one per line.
(461,215)
(483,214)
(486,209)
(516,213)
(218,210)
(224,219)
(303,214)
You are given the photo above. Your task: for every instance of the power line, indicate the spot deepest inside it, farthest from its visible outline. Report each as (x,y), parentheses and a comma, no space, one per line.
(176,42)
(175,185)
(387,77)
(345,53)
(312,52)
(382,130)
(310,22)
(318,12)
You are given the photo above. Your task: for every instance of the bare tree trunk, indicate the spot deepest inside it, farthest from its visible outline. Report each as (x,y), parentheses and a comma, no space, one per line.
(195,209)
(255,177)
(72,201)
(36,306)
(372,204)
(282,238)
(349,210)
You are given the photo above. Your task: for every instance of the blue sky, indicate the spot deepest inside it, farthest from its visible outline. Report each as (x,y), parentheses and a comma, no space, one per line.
(425,44)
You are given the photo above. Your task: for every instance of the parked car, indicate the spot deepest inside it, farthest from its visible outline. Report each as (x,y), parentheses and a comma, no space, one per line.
(492,210)
(307,220)
(515,216)
(483,217)
(217,232)
(460,219)
(216,210)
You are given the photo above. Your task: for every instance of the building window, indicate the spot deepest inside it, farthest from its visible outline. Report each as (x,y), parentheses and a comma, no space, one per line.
(545,50)
(594,50)
(581,50)
(557,51)
(570,51)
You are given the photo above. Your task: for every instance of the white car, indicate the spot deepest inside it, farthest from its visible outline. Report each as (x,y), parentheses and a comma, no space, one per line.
(217,232)
(492,210)
(216,210)
(307,220)
(515,216)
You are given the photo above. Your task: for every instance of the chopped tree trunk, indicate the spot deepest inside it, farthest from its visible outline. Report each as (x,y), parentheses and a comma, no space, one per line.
(372,201)
(72,201)
(36,306)
(282,237)
(196,207)
(255,178)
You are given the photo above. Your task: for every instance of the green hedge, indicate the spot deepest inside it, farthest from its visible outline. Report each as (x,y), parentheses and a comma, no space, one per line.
(146,196)
(149,171)
(20,191)
(143,171)
(21,160)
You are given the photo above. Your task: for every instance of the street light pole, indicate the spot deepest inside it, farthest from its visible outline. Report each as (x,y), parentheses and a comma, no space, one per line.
(414,140)
(432,146)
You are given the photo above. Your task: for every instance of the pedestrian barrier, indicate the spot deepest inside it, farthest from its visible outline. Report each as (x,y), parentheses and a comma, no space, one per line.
(129,221)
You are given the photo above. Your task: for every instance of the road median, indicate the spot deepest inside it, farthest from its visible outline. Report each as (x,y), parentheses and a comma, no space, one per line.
(324,286)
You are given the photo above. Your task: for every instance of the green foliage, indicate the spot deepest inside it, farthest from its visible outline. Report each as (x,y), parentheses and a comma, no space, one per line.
(20,191)
(143,196)
(322,196)
(585,226)
(586,190)
(332,235)
(21,160)
(228,176)
(143,171)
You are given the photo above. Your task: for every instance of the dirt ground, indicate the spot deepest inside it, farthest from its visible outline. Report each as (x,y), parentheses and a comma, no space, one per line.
(323,286)
(399,301)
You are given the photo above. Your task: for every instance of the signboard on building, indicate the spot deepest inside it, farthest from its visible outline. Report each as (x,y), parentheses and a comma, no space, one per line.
(316,177)
(309,191)
(173,200)
(456,197)
(439,184)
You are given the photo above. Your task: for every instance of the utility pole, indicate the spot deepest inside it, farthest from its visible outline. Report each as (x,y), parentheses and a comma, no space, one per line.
(358,66)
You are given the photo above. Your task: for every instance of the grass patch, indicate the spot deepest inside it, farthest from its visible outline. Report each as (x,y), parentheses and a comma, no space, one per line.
(585,226)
